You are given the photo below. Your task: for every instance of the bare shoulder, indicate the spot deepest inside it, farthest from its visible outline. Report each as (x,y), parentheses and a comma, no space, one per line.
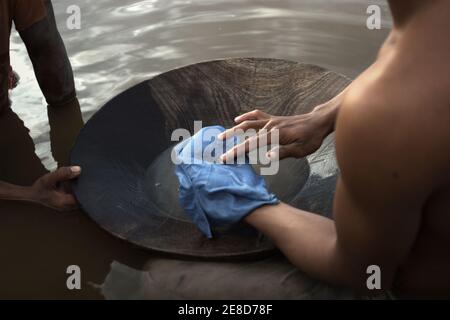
(393,128)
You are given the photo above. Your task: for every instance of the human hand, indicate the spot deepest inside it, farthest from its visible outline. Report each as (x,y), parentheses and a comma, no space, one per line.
(51,190)
(212,194)
(299,135)
(13,79)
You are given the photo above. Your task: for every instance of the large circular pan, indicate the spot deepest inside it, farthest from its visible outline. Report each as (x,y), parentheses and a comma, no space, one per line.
(128,185)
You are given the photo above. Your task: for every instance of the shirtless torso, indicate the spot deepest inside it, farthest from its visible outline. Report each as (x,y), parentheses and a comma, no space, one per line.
(406,95)
(392,201)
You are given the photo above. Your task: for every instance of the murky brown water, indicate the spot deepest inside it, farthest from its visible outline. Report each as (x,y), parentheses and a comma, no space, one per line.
(123,42)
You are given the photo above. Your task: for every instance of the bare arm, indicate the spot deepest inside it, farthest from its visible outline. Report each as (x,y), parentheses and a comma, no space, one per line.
(50,61)
(49,190)
(13,192)
(377,207)
(308,240)
(299,135)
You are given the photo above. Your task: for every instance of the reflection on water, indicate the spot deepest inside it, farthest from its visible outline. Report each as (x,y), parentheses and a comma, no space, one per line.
(123,42)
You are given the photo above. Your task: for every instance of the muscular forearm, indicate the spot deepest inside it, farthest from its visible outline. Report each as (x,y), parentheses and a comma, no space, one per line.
(13,192)
(308,240)
(329,110)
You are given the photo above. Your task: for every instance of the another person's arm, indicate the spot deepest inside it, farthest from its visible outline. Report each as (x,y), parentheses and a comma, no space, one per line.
(35,21)
(47,53)
(48,190)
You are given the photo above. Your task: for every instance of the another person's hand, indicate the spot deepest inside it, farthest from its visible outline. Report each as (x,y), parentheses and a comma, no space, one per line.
(51,190)
(13,79)
(299,135)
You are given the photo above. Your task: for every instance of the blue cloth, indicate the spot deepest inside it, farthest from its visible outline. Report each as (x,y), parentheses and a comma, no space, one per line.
(214,194)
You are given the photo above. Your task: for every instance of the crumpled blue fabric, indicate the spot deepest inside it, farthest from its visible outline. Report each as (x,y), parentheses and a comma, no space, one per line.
(215,194)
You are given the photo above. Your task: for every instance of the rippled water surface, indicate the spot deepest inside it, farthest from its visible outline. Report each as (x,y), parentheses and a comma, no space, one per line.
(122,42)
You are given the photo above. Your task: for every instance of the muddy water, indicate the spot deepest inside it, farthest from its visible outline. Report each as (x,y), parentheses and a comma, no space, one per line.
(121,43)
